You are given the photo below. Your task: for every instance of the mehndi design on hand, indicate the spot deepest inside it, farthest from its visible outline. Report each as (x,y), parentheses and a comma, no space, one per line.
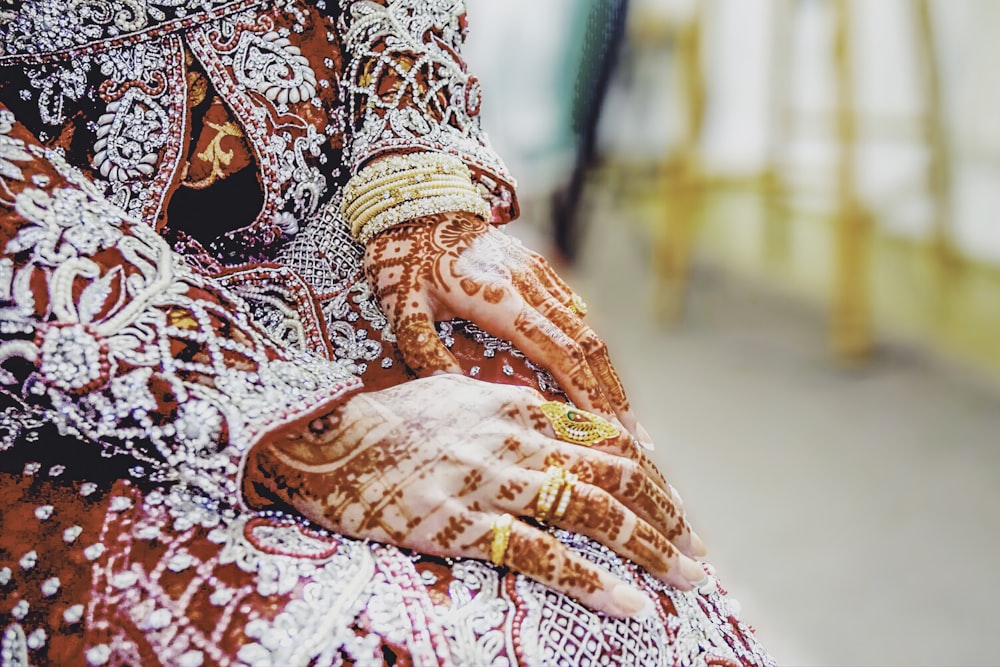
(455,265)
(435,475)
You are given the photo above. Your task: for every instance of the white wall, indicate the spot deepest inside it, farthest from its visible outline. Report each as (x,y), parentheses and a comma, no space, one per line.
(518,46)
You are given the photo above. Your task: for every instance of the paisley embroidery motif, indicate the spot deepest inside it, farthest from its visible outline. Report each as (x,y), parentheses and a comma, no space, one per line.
(130,136)
(274,67)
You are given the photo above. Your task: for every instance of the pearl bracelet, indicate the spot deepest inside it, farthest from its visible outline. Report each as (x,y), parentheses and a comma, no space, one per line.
(419,208)
(403,187)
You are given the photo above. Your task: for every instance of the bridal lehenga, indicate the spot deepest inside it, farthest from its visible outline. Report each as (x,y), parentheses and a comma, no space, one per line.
(177,279)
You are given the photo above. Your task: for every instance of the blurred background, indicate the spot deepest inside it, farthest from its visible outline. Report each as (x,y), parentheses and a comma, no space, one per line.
(784,216)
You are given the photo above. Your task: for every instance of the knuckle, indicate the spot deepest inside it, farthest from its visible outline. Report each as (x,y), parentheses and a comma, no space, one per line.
(633,479)
(573,351)
(591,342)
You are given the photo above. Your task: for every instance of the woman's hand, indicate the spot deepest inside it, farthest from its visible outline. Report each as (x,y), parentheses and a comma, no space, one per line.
(431,464)
(455,265)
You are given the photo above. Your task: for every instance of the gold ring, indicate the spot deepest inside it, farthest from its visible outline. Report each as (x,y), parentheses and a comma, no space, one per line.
(570,481)
(578,305)
(552,486)
(577,426)
(501,538)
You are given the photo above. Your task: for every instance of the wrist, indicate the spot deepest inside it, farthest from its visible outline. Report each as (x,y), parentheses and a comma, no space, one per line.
(403,188)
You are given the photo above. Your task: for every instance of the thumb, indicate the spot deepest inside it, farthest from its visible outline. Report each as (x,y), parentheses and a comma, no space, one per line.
(420,346)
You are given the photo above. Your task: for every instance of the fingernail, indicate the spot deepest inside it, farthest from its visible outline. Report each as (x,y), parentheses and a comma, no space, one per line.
(628,601)
(697,545)
(676,496)
(649,611)
(645,439)
(693,571)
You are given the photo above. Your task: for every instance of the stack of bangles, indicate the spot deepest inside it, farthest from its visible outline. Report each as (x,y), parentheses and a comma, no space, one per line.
(403,187)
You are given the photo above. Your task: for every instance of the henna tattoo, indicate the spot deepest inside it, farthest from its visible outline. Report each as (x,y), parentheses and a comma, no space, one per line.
(481,544)
(537,420)
(578,575)
(549,279)
(362,470)
(534,553)
(553,343)
(511,490)
(650,548)
(424,352)
(542,557)
(558,459)
(629,483)
(448,535)
(494,293)
(595,513)
(603,475)
(455,265)
(599,359)
(649,497)
(471,482)
(594,349)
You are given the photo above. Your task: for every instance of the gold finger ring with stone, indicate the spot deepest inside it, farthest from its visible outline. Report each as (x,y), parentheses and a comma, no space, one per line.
(578,305)
(577,426)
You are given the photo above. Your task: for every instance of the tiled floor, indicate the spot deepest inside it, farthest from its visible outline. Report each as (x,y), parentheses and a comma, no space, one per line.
(856,514)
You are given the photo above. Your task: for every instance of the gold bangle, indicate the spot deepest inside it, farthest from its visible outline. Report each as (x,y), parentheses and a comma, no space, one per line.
(395,195)
(393,163)
(501,538)
(356,187)
(370,215)
(390,167)
(398,182)
(398,188)
(419,208)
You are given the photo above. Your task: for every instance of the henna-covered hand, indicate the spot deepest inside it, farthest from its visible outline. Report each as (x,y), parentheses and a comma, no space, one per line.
(430,464)
(455,265)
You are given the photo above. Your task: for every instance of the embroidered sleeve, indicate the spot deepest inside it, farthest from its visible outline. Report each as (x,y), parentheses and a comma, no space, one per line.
(407,89)
(118,341)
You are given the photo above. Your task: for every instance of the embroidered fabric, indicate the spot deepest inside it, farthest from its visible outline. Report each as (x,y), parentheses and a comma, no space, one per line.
(300,79)
(177,585)
(125,345)
(432,102)
(109,336)
(43,30)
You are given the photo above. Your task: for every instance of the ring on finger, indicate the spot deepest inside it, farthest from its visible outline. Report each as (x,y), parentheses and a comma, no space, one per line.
(577,304)
(555,492)
(567,491)
(577,426)
(501,538)
(548,494)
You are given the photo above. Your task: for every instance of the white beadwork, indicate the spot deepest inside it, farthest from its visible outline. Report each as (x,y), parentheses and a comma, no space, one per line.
(447,118)
(92,334)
